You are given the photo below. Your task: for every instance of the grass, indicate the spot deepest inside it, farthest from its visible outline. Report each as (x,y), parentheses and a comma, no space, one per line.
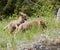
(53,28)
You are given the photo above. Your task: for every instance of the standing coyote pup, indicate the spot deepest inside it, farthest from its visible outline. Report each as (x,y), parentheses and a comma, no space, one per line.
(24,26)
(14,24)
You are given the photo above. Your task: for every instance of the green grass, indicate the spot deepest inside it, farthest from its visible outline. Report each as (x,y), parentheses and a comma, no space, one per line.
(53,28)
(51,23)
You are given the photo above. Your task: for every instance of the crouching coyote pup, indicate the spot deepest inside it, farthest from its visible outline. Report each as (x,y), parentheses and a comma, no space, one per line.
(14,24)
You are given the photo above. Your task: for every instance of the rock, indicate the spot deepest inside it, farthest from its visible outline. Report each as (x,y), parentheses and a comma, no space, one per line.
(58,14)
(40,44)
(3,43)
(53,47)
(55,41)
(43,39)
(9,45)
(58,48)
(19,45)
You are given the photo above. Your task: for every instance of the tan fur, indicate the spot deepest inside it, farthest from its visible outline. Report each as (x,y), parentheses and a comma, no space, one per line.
(24,26)
(40,22)
(35,22)
(14,24)
(27,24)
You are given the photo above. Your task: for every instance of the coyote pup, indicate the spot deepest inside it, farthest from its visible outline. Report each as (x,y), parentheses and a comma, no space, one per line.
(14,24)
